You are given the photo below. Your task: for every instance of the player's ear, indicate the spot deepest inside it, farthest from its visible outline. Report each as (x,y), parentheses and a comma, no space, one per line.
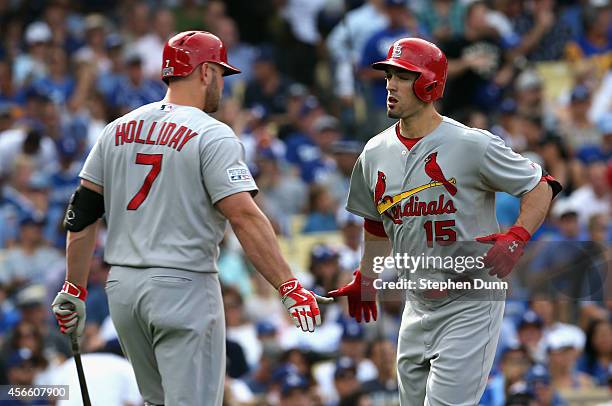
(204,73)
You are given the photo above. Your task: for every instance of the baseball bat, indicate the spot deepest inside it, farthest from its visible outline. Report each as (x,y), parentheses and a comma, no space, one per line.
(76,352)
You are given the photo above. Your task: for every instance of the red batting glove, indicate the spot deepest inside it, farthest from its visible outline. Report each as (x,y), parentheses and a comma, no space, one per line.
(301,304)
(506,251)
(69,308)
(361,297)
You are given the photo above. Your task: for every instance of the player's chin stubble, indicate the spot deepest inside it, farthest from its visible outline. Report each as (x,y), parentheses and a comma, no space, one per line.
(213,96)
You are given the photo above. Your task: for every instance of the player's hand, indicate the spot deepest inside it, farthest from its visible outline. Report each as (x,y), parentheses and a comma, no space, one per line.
(69,308)
(361,296)
(302,304)
(506,251)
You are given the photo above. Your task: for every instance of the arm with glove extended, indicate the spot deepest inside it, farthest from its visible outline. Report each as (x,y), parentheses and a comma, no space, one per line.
(360,292)
(509,246)
(81,222)
(258,240)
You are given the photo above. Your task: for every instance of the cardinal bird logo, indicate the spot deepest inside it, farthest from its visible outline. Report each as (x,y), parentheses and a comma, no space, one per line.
(433,170)
(381,186)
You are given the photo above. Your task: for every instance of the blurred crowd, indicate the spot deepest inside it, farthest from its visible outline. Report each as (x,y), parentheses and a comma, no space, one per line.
(534,72)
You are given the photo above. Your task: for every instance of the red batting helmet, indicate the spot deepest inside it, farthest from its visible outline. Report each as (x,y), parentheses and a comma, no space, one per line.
(187,50)
(418,55)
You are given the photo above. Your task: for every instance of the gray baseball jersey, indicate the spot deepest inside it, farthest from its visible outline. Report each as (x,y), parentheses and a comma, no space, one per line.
(163,167)
(439,192)
(435,199)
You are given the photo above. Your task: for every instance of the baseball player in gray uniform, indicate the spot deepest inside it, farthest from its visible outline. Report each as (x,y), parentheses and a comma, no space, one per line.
(426,186)
(168,177)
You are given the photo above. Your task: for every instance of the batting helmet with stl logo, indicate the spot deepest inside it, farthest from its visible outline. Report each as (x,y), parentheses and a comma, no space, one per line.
(187,50)
(423,57)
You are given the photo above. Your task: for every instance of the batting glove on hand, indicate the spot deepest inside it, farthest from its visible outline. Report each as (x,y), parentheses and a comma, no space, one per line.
(69,308)
(302,304)
(361,297)
(506,251)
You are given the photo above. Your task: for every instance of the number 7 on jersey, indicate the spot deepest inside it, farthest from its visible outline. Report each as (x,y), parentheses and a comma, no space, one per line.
(146,159)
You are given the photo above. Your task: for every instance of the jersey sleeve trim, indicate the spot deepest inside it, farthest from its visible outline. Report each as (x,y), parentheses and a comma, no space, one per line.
(375,227)
(91,178)
(362,214)
(246,188)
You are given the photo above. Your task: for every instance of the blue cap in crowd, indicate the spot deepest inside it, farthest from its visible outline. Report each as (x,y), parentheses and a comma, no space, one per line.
(352,331)
(32,220)
(280,373)
(67,147)
(580,93)
(537,374)
(265,53)
(396,3)
(345,366)
(265,328)
(530,318)
(322,253)
(508,106)
(293,381)
(18,358)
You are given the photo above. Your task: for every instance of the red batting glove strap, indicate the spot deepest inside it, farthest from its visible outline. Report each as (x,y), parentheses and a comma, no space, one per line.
(288,286)
(520,232)
(74,290)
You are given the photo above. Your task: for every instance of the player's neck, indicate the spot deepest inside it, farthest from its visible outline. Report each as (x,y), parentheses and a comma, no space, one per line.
(420,124)
(183,98)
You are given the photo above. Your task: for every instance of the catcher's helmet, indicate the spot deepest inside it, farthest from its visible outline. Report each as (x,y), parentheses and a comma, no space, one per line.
(418,55)
(187,50)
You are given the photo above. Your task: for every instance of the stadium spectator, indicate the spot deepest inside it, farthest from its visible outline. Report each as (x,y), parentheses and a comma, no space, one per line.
(268,87)
(578,130)
(540,389)
(562,356)
(543,35)
(509,380)
(345,378)
(346,42)
(31,65)
(529,334)
(150,46)
(134,89)
(344,153)
(321,211)
(300,50)
(597,358)
(95,50)
(30,260)
(324,267)
(477,64)
(308,149)
(595,41)
(594,197)
(442,19)
(240,53)
(294,391)
(110,380)
(383,389)
(351,227)
(239,329)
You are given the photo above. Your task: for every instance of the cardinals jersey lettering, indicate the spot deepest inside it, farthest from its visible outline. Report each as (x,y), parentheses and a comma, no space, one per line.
(163,167)
(441,191)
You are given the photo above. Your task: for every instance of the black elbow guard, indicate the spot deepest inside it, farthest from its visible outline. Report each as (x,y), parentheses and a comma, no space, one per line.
(85,208)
